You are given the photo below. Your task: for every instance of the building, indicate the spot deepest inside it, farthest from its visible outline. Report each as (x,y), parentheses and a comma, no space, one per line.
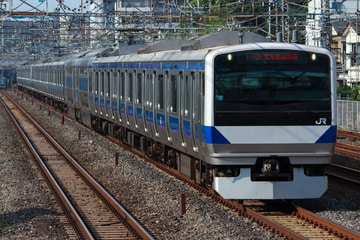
(332,24)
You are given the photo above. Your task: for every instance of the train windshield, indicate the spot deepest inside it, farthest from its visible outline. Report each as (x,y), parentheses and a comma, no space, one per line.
(272,87)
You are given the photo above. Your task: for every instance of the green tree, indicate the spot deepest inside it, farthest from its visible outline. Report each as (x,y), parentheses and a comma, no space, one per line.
(355,93)
(344,90)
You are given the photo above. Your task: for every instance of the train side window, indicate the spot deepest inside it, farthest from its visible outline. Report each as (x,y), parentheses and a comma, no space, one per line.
(173,93)
(139,88)
(130,87)
(160,92)
(122,86)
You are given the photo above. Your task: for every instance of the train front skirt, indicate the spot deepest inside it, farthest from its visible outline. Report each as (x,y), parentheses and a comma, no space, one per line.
(241,187)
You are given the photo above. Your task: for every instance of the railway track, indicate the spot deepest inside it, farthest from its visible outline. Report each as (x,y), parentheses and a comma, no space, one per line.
(351,135)
(288,221)
(341,172)
(92,211)
(304,224)
(349,150)
(344,173)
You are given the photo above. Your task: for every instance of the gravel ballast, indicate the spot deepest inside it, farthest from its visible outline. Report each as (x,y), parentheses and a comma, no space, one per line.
(27,208)
(154,197)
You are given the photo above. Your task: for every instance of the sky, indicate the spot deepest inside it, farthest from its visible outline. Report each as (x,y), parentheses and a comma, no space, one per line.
(18,5)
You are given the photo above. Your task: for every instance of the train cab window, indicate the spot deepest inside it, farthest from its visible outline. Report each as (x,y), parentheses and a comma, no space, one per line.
(173,93)
(122,86)
(139,88)
(160,92)
(272,87)
(130,88)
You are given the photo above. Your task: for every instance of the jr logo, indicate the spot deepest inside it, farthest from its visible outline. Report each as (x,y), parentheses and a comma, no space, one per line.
(321,121)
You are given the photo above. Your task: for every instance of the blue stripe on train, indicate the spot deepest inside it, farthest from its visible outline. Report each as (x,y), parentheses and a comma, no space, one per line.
(139,115)
(174,124)
(211,135)
(329,136)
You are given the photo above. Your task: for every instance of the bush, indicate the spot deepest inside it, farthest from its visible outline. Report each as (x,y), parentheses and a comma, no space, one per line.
(344,91)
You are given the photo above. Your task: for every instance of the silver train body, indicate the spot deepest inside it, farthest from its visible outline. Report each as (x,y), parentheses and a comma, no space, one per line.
(254,120)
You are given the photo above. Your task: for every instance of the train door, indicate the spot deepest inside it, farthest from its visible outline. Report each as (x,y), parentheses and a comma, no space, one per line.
(96,91)
(102,92)
(188,122)
(62,83)
(47,80)
(122,97)
(129,85)
(76,93)
(198,84)
(115,95)
(160,100)
(91,90)
(185,93)
(173,113)
(139,99)
(149,102)
(85,84)
(107,78)
(68,82)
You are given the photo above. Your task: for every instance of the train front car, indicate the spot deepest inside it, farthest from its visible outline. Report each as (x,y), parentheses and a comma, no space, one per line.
(269,120)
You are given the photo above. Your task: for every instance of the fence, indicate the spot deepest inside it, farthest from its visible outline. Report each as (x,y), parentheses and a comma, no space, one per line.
(348,115)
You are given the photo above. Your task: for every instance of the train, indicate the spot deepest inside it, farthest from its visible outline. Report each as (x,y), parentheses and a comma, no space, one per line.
(250,118)
(3,83)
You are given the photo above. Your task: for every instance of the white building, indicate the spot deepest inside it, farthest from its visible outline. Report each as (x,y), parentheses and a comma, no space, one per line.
(338,23)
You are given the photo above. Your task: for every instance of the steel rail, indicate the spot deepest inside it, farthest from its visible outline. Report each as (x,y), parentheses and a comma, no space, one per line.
(326,225)
(112,203)
(70,210)
(344,173)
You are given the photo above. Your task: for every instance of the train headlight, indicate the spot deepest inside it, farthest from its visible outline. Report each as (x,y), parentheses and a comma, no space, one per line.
(313,56)
(229,56)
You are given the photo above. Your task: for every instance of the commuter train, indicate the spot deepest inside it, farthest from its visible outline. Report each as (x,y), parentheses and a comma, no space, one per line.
(3,83)
(250,118)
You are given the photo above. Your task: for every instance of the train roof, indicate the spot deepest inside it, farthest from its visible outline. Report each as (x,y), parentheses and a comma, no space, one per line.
(211,40)
(173,49)
(166,45)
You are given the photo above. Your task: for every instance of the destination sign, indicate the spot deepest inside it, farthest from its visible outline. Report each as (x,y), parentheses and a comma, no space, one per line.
(272,57)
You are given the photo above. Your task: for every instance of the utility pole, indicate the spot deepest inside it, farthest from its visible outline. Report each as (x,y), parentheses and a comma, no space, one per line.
(326,28)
